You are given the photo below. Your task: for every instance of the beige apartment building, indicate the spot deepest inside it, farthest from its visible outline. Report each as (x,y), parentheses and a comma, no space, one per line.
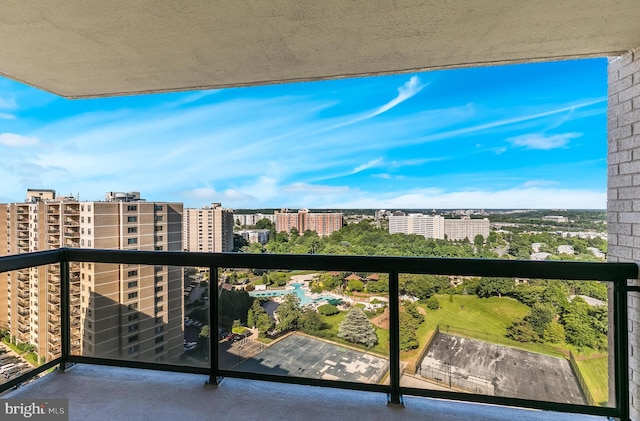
(459,229)
(117,310)
(209,229)
(324,223)
(438,227)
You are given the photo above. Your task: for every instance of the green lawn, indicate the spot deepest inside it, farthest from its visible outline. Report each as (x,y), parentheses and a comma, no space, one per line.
(596,374)
(487,315)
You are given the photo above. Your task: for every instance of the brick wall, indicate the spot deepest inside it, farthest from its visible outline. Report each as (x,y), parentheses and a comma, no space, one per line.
(623,204)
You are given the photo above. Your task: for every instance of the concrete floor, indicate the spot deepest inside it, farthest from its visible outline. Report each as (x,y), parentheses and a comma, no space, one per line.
(116,393)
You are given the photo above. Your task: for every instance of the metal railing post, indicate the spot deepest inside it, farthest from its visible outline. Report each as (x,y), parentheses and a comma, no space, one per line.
(65,312)
(213,326)
(394,340)
(621,350)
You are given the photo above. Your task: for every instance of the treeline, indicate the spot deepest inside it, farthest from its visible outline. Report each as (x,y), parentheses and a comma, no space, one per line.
(365,239)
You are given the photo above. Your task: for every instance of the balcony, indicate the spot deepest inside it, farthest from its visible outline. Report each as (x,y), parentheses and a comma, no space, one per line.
(362,395)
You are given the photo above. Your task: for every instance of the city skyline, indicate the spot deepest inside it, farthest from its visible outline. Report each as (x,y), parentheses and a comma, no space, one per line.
(517,136)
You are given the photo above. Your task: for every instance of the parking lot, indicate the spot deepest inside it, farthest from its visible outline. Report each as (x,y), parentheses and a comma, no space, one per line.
(11,365)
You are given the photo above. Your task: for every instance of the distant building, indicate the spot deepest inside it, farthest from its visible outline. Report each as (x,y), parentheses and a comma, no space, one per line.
(324,223)
(459,229)
(555,218)
(417,223)
(254,236)
(250,219)
(566,249)
(209,229)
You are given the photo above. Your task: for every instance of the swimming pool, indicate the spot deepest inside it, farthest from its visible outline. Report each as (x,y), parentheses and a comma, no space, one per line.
(300,292)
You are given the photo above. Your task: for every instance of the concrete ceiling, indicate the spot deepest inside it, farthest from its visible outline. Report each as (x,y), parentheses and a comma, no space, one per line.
(81,48)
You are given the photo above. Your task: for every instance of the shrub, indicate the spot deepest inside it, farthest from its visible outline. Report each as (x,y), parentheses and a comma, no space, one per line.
(433,303)
(328,310)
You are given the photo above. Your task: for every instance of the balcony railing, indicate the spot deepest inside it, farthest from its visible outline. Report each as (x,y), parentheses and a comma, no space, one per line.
(614,274)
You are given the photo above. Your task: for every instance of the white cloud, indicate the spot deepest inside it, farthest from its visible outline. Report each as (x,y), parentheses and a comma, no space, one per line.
(316,189)
(371,164)
(543,142)
(5,116)
(539,183)
(516,198)
(409,89)
(8,103)
(13,140)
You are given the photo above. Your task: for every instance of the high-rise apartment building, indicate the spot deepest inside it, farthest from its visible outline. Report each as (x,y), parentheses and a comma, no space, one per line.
(117,310)
(459,229)
(249,219)
(324,223)
(438,227)
(417,223)
(209,229)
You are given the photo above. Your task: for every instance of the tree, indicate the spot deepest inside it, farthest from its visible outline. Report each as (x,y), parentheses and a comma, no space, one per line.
(521,331)
(356,328)
(311,322)
(554,333)
(433,303)
(355,285)
(233,305)
(478,241)
(289,313)
(489,286)
(540,316)
(408,336)
(328,310)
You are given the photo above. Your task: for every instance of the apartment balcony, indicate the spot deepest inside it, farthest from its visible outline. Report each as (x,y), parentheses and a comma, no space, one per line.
(173,388)
(23,302)
(22,228)
(70,232)
(54,330)
(71,243)
(53,230)
(23,294)
(53,299)
(53,220)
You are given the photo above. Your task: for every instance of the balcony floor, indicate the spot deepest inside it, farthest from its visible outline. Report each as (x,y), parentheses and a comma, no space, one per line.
(116,393)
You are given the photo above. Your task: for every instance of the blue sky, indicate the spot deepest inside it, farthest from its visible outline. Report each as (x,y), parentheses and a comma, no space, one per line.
(517,136)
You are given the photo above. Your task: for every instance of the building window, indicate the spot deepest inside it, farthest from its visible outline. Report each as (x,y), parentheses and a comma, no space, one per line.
(88,243)
(133,306)
(159,299)
(132,208)
(132,219)
(132,230)
(133,349)
(82,219)
(133,327)
(89,219)
(81,230)
(158,320)
(89,231)
(133,338)
(132,284)
(132,316)
(132,273)
(159,339)
(159,309)
(158,248)
(159,349)
(132,295)
(157,208)
(159,329)
(82,242)
(159,228)
(159,289)
(132,241)
(88,208)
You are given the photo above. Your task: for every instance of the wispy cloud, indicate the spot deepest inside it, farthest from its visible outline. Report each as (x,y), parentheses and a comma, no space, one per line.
(6,116)
(539,183)
(543,142)
(13,140)
(8,103)
(371,164)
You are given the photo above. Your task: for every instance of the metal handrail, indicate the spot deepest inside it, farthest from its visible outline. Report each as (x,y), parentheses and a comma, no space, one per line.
(615,273)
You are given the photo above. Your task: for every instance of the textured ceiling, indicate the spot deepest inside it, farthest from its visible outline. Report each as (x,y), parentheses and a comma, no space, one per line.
(81,48)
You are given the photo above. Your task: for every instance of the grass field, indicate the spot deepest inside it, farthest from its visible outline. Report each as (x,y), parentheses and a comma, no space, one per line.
(488,315)
(595,373)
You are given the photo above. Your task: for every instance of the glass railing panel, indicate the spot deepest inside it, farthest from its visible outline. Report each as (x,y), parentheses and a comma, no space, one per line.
(134,312)
(330,325)
(543,340)
(30,328)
